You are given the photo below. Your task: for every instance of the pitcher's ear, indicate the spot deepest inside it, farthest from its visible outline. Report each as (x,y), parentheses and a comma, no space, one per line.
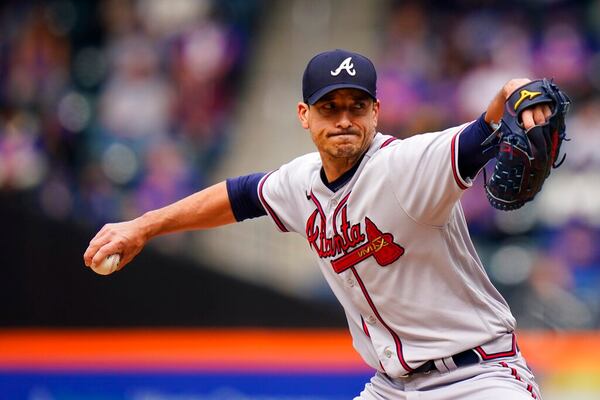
(303,111)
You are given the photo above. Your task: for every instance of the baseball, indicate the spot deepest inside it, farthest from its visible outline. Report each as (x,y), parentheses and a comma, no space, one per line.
(108,265)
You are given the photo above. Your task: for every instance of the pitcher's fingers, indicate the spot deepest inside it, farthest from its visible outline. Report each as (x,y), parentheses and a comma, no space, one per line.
(527,119)
(100,238)
(103,236)
(105,251)
(547,111)
(538,116)
(93,247)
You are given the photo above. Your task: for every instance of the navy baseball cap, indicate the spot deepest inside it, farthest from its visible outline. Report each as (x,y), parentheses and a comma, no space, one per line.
(338,69)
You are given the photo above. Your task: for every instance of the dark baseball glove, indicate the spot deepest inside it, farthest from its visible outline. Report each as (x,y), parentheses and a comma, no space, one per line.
(525,158)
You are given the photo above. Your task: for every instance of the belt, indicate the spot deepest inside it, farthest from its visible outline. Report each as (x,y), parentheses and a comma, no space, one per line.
(467,357)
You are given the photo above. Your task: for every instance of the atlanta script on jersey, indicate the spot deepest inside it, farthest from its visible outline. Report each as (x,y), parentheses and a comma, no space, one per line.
(394,247)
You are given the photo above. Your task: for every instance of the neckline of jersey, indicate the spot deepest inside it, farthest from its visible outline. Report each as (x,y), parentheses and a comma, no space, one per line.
(338,183)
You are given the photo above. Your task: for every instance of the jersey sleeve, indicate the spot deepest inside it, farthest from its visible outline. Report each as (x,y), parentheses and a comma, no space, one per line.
(281,193)
(424,174)
(243,196)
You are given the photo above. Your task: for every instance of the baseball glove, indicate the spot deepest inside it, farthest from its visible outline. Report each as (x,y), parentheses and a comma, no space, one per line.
(525,158)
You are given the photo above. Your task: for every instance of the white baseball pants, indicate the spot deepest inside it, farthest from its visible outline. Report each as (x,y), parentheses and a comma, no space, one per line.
(499,379)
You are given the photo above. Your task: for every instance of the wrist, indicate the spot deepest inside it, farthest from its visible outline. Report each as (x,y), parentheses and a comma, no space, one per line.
(148,224)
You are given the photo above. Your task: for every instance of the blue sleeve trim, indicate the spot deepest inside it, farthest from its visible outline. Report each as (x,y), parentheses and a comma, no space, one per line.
(471,156)
(243,196)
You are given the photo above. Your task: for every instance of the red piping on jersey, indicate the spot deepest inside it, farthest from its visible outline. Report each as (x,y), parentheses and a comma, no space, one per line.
(337,209)
(364,326)
(269,209)
(316,201)
(516,375)
(394,335)
(390,140)
(512,352)
(321,213)
(452,158)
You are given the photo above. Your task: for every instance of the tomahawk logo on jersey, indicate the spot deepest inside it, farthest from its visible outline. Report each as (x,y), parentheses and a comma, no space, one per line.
(379,245)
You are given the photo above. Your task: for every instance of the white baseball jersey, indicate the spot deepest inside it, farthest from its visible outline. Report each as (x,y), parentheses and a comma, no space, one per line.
(393,245)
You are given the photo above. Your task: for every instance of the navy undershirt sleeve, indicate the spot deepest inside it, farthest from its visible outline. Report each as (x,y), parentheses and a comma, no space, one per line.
(471,154)
(243,196)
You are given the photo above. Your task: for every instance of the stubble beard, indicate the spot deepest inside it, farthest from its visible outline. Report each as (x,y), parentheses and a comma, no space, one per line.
(350,150)
(347,151)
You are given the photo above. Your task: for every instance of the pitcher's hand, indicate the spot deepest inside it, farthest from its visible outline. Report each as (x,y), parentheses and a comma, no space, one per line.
(124,238)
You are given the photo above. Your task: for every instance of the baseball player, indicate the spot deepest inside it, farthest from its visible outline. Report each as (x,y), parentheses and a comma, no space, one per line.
(384,219)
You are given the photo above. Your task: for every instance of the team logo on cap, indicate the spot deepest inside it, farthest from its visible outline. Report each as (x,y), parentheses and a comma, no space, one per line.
(347,65)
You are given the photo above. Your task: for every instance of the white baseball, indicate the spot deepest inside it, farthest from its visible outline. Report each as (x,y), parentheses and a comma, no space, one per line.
(108,265)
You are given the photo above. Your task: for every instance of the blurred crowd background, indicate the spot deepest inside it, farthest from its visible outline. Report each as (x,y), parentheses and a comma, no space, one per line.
(112,108)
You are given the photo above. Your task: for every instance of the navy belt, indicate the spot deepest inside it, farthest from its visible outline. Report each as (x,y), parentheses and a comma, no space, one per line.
(467,357)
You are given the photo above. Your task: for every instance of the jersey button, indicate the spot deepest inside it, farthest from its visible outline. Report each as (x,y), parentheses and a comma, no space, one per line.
(371,320)
(388,353)
(334,203)
(350,282)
